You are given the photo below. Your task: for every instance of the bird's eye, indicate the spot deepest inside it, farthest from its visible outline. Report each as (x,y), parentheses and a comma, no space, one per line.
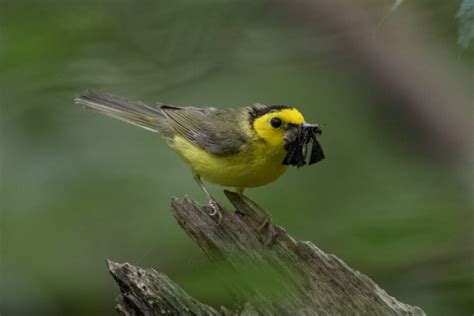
(276,122)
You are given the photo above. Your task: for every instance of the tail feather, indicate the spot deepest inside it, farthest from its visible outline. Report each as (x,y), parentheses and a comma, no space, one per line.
(133,112)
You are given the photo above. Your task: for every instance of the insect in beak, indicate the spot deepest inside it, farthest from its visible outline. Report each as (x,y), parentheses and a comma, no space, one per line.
(296,142)
(313,127)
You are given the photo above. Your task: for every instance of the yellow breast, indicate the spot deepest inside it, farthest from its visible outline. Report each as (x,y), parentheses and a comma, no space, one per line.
(257,164)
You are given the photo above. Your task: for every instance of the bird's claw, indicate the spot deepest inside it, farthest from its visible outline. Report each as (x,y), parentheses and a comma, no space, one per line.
(267,222)
(216,211)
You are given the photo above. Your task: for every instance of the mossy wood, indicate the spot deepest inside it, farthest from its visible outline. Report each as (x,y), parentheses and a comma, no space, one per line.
(304,280)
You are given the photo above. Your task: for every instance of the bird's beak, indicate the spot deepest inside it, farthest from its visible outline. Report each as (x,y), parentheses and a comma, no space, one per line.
(291,134)
(296,140)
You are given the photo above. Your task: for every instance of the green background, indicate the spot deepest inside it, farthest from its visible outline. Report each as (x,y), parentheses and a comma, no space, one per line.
(78,188)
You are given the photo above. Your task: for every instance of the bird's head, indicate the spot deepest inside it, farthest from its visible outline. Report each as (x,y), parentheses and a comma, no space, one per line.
(282,125)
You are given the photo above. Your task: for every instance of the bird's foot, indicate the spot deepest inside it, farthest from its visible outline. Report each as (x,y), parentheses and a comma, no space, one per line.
(216,211)
(268,228)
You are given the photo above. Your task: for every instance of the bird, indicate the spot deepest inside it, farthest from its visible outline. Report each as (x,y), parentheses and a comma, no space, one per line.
(244,147)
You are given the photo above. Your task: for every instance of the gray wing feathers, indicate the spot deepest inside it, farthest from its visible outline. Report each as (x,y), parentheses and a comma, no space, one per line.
(216,131)
(185,121)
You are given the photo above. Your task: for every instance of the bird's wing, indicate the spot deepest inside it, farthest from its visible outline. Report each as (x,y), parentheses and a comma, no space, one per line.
(217,131)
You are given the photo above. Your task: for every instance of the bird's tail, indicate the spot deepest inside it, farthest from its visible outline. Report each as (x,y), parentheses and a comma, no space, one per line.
(133,112)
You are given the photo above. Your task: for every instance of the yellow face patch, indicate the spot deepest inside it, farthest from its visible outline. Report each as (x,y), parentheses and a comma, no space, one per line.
(274,135)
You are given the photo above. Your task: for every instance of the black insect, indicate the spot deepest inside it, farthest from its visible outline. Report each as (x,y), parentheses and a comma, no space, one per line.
(297,141)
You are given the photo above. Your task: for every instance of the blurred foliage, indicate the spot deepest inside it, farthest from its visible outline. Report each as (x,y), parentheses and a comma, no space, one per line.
(78,188)
(466,22)
(396,4)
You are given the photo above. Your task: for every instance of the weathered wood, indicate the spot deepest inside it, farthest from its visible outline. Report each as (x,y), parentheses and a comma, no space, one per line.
(148,292)
(285,277)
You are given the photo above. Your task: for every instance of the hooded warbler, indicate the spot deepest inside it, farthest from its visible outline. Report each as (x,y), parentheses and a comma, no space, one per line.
(241,147)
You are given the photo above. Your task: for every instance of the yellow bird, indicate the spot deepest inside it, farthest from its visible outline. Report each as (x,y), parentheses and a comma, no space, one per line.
(243,147)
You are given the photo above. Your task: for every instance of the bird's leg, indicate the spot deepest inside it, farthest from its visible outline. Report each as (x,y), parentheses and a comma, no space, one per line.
(216,209)
(267,217)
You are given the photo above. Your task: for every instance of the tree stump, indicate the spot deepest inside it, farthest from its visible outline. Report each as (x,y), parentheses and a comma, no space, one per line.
(284,277)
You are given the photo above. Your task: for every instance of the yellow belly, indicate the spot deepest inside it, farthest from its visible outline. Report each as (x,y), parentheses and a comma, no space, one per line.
(256,165)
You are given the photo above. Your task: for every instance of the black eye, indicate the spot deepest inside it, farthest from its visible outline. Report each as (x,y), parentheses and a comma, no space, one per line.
(276,122)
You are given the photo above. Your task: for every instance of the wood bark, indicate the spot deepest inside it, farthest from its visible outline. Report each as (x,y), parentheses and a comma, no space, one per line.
(284,277)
